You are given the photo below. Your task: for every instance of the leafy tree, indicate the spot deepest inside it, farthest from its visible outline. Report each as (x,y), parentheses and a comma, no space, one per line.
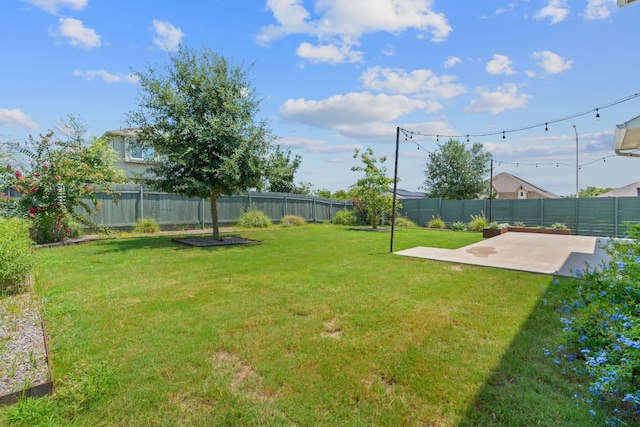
(280,171)
(304,188)
(58,177)
(323,193)
(341,195)
(592,192)
(457,173)
(198,113)
(371,193)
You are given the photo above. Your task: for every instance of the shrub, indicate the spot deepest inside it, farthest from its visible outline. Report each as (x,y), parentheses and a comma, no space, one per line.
(254,219)
(459,226)
(558,226)
(292,221)
(16,254)
(519,224)
(436,222)
(405,222)
(147,226)
(477,223)
(345,217)
(601,332)
(493,225)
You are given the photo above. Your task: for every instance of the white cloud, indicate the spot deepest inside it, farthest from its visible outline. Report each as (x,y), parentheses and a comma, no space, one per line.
(77,34)
(452,61)
(316,146)
(16,118)
(512,5)
(168,37)
(555,10)
(106,76)
(502,99)
(343,23)
(329,53)
(500,65)
(356,108)
(552,63)
(52,6)
(388,50)
(422,83)
(598,9)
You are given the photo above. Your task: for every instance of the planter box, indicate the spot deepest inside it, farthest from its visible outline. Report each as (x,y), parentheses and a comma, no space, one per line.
(539,230)
(493,232)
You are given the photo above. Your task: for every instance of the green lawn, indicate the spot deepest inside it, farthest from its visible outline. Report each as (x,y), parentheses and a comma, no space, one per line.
(317,325)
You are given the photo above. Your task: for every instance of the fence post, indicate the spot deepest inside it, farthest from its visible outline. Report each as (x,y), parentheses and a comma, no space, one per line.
(141,216)
(616,216)
(202,211)
(541,212)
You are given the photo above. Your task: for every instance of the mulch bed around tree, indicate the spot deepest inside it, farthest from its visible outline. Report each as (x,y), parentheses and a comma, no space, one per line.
(205,241)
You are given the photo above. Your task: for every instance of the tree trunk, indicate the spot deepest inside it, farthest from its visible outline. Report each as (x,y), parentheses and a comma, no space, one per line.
(214,213)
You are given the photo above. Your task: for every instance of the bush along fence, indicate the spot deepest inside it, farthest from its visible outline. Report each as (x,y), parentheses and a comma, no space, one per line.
(603,216)
(178,212)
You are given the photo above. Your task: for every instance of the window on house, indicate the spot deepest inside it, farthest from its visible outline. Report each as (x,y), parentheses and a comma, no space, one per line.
(136,153)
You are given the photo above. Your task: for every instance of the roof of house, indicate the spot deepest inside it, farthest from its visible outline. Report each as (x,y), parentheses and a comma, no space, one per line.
(630,190)
(507,183)
(406,194)
(123,132)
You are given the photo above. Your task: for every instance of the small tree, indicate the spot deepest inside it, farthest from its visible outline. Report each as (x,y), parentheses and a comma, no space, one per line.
(371,193)
(281,170)
(457,173)
(58,177)
(198,113)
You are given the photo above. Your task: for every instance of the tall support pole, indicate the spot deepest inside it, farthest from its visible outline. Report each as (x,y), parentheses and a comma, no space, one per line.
(577,164)
(577,188)
(395,187)
(491,192)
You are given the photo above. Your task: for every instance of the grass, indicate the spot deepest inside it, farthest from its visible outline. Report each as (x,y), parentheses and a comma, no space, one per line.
(317,325)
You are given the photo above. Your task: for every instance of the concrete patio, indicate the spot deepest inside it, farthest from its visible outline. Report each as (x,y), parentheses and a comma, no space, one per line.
(531,252)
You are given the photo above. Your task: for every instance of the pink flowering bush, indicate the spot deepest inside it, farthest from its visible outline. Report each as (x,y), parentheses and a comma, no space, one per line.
(57,186)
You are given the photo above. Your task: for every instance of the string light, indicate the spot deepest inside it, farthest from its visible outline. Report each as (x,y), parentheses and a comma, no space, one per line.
(535,125)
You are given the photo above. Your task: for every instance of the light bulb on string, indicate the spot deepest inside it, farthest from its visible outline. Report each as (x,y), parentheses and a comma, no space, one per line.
(503,137)
(597,114)
(546,127)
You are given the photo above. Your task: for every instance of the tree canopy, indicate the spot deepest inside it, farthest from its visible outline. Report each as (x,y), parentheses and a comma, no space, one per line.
(62,170)
(455,172)
(593,192)
(371,192)
(280,171)
(199,114)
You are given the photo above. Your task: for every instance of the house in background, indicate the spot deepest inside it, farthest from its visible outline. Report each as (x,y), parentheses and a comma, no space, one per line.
(133,159)
(631,190)
(507,186)
(406,194)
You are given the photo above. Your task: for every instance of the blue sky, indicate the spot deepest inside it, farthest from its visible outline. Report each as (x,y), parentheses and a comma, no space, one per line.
(336,75)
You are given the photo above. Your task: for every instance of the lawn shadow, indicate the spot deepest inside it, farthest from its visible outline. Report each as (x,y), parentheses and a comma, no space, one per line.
(527,387)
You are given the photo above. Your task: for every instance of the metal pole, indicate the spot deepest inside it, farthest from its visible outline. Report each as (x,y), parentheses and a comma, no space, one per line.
(577,165)
(577,188)
(491,192)
(395,187)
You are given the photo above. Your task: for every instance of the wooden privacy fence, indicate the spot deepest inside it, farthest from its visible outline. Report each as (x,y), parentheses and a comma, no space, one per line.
(171,211)
(602,216)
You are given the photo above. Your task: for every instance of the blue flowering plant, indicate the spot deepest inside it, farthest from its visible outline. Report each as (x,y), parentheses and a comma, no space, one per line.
(601,329)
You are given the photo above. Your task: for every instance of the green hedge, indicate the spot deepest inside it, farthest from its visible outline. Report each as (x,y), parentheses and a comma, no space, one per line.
(17,257)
